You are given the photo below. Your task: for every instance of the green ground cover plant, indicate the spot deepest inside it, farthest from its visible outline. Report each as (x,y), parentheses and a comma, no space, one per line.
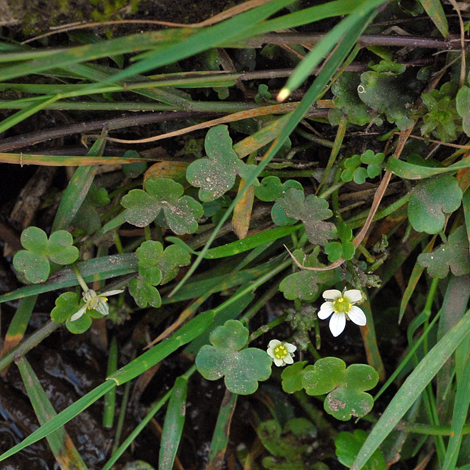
(281,218)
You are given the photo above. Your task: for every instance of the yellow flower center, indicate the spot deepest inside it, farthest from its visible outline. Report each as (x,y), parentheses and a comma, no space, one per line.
(342,305)
(280,351)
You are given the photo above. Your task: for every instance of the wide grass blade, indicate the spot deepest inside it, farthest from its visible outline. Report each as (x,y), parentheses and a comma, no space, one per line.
(64,450)
(412,388)
(174,422)
(222,430)
(77,189)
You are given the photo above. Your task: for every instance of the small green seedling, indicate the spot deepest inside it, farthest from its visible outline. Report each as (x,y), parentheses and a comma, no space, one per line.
(354,171)
(344,248)
(35,260)
(242,369)
(156,266)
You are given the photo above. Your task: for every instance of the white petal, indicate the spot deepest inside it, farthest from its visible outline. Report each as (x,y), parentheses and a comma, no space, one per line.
(331,294)
(279,362)
(353,295)
(112,292)
(273,343)
(290,348)
(288,360)
(77,315)
(102,307)
(357,316)
(337,323)
(325,310)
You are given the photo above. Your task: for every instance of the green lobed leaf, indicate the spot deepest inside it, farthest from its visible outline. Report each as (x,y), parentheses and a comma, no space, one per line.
(388,90)
(431,200)
(145,293)
(162,198)
(34,261)
(216,174)
(292,377)
(66,305)
(350,398)
(242,370)
(324,376)
(453,255)
(149,253)
(271,188)
(346,100)
(312,211)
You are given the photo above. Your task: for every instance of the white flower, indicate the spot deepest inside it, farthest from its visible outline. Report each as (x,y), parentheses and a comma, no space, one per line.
(94,301)
(341,305)
(281,352)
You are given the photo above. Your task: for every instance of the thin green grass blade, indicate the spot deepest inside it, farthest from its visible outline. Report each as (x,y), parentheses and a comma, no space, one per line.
(202,284)
(253,241)
(110,397)
(33,108)
(29,343)
(261,138)
(65,160)
(43,61)
(310,97)
(413,281)
(199,42)
(412,388)
(307,16)
(359,17)
(62,418)
(369,337)
(174,422)
(99,75)
(63,448)
(459,417)
(100,269)
(77,189)
(222,429)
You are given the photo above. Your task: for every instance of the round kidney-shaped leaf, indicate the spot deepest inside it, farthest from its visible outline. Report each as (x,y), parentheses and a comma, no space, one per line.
(431,200)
